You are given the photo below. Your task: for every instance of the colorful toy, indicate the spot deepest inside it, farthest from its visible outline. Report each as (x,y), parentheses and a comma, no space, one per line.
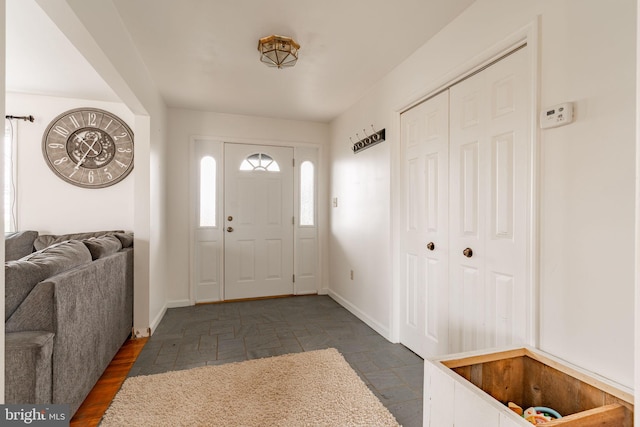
(549,411)
(537,419)
(515,408)
(536,414)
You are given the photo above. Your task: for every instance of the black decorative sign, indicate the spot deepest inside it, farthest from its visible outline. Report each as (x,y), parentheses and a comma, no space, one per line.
(368,141)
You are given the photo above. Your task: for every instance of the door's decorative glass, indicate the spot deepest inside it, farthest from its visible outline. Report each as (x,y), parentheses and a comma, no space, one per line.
(208,192)
(259,162)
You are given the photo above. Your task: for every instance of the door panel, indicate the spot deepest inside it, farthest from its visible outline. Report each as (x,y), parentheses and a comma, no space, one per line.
(467,187)
(425,135)
(490,152)
(258,221)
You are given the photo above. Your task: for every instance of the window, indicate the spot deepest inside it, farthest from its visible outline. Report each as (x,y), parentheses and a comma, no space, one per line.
(307,194)
(208,192)
(9,178)
(260,162)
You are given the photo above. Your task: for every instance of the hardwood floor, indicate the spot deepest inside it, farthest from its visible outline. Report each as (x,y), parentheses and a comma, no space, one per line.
(94,406)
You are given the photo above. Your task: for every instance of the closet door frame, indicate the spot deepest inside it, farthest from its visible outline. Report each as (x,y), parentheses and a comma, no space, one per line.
(527,35)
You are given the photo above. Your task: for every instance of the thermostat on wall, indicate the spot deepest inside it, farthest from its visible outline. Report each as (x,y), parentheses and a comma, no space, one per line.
(558,115)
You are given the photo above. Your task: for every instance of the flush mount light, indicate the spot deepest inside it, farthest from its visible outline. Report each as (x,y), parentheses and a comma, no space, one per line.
(278,51)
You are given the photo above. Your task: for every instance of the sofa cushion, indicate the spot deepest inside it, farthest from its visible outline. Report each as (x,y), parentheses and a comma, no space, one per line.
(23,274)
(49,239)
(18,244)
(19,279)
(125,238)
(103,246)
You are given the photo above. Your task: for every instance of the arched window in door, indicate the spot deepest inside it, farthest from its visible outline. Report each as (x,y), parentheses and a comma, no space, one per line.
(259,162)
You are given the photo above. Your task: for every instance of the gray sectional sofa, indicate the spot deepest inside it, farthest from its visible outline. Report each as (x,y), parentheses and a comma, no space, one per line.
(68,309)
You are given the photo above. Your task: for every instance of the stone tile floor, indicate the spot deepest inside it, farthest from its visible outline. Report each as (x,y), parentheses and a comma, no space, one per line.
(214,334)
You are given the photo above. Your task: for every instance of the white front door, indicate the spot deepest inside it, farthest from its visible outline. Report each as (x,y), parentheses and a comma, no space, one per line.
(490,188)
(425,144)
(258,221)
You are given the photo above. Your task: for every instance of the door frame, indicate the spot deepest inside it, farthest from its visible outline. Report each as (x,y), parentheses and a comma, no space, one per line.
(526,35)
(302,151)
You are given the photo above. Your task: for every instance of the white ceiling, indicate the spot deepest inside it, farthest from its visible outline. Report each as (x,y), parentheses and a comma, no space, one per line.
(202,54)
(40,59)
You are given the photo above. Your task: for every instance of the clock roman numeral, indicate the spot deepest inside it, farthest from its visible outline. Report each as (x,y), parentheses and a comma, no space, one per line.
(61,131)
(74,121)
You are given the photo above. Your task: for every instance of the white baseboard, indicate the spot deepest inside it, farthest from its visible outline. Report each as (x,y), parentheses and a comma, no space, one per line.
(157,319)
(382,330)
(179,303)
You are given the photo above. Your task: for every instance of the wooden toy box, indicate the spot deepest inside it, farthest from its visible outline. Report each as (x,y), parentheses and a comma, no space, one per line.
(472,389)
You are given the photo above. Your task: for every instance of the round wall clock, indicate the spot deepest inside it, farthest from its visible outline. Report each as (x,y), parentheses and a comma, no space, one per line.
(88,147)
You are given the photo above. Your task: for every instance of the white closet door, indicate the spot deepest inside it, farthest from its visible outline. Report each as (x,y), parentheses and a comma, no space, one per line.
(425,139)
(467,190)
(489,202)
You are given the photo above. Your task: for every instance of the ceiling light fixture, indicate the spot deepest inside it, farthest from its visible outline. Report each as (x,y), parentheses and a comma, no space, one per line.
(278,51)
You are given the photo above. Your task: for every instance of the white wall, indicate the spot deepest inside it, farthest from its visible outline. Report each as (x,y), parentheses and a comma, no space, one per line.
(586,170)
(97,31)
(2,110)
(184,124)
(637,233)
(45,202)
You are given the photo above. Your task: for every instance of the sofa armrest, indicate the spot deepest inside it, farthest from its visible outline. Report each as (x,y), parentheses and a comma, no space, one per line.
(28,367)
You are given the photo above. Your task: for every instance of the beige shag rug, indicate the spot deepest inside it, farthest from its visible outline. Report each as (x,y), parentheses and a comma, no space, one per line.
(316,388)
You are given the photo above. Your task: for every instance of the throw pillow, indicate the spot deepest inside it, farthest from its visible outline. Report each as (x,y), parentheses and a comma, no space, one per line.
(102,246)
(18,244)
(125,238)
(61,256)
(22,275)
(49,239)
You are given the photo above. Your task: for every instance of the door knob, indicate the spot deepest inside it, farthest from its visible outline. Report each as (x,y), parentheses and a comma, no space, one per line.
(431,246)
(229,229)
(468,252)
(229,218)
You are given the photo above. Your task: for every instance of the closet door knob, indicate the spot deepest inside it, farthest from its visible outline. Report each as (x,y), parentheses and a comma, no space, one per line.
(468,252)
(229,229)
(431,246)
